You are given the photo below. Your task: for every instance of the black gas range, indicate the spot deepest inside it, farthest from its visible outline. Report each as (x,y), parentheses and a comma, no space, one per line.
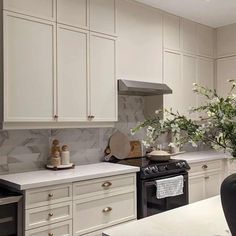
(150,171)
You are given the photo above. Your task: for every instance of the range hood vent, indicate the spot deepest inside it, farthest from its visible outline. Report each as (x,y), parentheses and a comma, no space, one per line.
(137,88)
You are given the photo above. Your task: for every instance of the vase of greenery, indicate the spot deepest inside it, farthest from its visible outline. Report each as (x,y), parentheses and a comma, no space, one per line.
(215,126)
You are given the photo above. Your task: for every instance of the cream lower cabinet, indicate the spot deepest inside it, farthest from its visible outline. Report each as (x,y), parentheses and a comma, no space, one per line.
(102,203)
(80,208)
(205,179)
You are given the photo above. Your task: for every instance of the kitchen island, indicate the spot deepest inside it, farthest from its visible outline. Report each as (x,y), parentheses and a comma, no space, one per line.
(203,218)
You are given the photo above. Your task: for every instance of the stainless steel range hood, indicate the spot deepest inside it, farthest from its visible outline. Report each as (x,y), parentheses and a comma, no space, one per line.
(137,88)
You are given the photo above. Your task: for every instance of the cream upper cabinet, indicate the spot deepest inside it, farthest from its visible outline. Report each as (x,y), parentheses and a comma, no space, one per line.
(72,73)
(226,38)
(205,37)
(139,45)
(226,70)
(73,13)
(29,68)
(103,16)
(171,32)
(205,75)
(189,77)
(45,9)
(188,33)
(103,95)
(172,77)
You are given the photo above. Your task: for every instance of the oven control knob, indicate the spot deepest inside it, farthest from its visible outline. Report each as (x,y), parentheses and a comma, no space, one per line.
(180,165)
(154,169)
(147,171)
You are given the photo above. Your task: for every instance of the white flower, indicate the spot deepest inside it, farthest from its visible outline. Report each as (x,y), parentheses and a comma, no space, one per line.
(193,143)
(172,145)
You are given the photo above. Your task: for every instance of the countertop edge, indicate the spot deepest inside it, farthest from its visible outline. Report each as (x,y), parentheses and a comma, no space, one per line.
(23,187)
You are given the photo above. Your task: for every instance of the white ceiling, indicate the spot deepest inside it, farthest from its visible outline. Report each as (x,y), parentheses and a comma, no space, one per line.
(214,13)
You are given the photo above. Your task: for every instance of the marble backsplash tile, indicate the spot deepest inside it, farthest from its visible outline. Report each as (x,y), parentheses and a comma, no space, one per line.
(27,150)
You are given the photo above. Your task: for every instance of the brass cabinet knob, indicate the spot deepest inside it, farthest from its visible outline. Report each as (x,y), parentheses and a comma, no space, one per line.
(91,117)
(50,234)
(106,184)
(56,117)
(204,167)
(50,214)
(107,209)
(50,195)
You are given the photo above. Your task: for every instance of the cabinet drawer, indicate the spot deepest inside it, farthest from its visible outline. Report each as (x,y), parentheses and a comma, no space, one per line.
(94,215)
(42,216)
(58,229)
(205,166)
(48,195)
(94,187)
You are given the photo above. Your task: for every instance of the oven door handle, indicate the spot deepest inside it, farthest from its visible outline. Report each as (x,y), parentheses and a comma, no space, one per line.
(154,182)
(9,200)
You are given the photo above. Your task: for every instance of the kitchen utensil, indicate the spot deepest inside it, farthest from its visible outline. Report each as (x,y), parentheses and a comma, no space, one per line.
(136,149)
(159,155)
(119,146)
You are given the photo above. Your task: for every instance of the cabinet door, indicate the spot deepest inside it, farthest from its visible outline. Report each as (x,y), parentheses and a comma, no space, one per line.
(103,95)
(189,77)
(172,77)
(72,74)
(205,36)
(226,70)
(102,16)
(73,12)
(226,37)
(139,45)
(171,32)
(213,183)
(29,68)
(205,75)
(45,9)
(188,36)
(196,188)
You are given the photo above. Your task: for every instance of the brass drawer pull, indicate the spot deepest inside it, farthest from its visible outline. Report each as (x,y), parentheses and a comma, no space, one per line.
(50,234)
(50,195)
(50,214)
(107,209)
(204,167)
(207,177)
(106,184)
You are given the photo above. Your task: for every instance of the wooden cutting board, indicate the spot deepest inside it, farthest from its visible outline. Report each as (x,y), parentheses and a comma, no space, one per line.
(136,149)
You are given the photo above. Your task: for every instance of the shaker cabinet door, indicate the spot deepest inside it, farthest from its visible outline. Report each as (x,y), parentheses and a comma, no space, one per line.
(102,16)
(29,68)
(73,13)
(45,9)
(172,77)
(103,94)
(72,74)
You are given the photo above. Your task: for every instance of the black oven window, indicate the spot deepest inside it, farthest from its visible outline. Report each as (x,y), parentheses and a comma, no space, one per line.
(8,219)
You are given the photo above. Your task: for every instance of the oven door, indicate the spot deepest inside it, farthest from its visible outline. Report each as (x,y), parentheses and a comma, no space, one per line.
(148,204)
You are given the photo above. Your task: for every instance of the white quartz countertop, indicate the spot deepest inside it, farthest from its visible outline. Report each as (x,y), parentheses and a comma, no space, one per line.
(42,178)
(204,218)
(193,157)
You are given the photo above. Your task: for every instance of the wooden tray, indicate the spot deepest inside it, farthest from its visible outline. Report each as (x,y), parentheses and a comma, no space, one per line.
(61,167)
